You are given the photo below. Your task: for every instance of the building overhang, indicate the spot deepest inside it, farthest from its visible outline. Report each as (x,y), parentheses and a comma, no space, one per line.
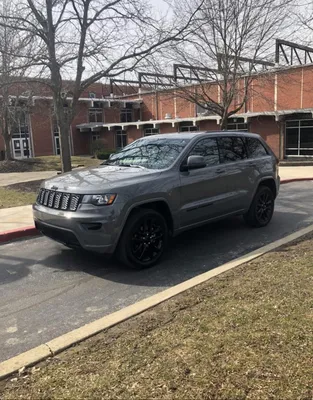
(277,114)
(139,124)
(105,101)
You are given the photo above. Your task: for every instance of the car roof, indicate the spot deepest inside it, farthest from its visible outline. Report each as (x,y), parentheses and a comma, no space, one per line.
(192,135)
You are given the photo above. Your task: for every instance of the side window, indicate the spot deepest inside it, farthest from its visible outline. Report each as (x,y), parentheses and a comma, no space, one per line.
(255,148)
(231,149)
(207,148)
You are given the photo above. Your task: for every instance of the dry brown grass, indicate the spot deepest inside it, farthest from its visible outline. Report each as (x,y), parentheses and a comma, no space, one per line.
(47,163)
(247,334)
(13,198)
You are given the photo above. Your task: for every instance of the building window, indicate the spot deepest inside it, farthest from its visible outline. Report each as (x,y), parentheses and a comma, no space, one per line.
(127,113)
(20,126)
(56,138)
(95,137)
(148,131)
(187,127)
(299,137)
(237,124)
(95,114)
(120,139)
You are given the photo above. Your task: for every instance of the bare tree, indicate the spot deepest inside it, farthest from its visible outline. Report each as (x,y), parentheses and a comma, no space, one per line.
(14,103)
(226,48)
(82,41)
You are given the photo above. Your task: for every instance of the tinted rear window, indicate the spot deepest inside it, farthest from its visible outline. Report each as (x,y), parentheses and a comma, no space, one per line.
(231,149)
(255,148)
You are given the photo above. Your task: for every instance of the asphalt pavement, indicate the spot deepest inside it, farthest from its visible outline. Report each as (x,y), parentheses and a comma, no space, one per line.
(47,290)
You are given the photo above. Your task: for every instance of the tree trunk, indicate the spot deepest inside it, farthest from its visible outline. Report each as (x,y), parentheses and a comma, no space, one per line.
(64,128)
(223,123)
(7,147)
(65,147)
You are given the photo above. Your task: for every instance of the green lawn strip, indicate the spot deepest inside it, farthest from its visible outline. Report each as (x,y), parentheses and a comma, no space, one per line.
(247,334)
(13,198)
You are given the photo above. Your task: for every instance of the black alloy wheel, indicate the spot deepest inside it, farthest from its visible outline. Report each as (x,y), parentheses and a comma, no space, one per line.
(143,240)
(262,208)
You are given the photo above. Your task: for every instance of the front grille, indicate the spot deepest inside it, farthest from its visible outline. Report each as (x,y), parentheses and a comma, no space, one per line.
(59,200)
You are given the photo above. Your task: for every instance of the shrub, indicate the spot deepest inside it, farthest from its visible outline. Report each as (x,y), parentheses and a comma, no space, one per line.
(104,154)
(98,145)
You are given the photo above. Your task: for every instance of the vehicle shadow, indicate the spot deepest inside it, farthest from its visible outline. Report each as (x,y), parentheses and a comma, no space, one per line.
(191,253)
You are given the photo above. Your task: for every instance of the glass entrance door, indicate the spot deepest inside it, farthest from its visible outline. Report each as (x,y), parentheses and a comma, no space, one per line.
(21,148)
(57,145)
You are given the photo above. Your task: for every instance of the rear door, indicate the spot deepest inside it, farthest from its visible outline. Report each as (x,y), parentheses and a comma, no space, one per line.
(237,172)
(263,162)
(203,191)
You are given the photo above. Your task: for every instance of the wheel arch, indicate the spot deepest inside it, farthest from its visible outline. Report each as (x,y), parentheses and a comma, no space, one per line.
(270,183)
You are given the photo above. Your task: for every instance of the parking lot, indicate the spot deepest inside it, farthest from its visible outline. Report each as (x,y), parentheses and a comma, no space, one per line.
(47,290)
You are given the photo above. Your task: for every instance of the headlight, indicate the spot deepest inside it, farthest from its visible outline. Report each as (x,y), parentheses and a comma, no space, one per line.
(99,199)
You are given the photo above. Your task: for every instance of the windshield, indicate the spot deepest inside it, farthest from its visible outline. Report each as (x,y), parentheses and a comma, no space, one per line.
(151,153)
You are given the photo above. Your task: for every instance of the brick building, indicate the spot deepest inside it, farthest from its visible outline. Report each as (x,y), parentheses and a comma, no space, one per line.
(279,108)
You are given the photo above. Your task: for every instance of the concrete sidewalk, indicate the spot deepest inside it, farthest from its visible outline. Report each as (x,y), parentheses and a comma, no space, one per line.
(295,172)
(11,178)
(15,218)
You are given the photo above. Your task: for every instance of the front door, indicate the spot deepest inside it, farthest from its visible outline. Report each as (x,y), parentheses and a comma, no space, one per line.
(21,148)
(203,191)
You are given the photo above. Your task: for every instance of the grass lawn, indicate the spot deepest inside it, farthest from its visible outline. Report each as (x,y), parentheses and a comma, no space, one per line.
(51,163)
(25,193)
(247,334)
(48,163)
(19,194)
(13,198)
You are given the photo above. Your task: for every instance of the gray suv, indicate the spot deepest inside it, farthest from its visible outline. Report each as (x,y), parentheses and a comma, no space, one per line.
(157,187)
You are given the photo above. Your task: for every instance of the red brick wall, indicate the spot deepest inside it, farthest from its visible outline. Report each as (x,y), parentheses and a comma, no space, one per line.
(184,108)
(261,94)
(108,136)
(209,125)
(112,114)
(307,98)
(289,90)
(166,104)
(269,129)
(168,128)
(42,129)
(148,110)
(133,134)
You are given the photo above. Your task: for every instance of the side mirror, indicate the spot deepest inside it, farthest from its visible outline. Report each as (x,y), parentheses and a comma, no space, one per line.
(196,162)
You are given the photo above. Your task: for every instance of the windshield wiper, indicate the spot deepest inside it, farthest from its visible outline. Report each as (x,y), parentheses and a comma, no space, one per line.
(123,165)
(132,166)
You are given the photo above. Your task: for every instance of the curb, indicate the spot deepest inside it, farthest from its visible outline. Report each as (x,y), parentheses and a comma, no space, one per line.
(65,341)
(14,234)
(295,180)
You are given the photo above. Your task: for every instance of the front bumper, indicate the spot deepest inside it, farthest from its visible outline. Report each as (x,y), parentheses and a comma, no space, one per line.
(94,229)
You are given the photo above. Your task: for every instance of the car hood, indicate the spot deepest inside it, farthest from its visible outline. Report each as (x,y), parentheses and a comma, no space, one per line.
(104,177)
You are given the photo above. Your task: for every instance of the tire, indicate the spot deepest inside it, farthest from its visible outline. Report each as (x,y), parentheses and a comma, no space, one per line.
(143,240)
(261,209)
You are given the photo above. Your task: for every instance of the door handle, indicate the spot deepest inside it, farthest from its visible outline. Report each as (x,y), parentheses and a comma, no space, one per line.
(220,171)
